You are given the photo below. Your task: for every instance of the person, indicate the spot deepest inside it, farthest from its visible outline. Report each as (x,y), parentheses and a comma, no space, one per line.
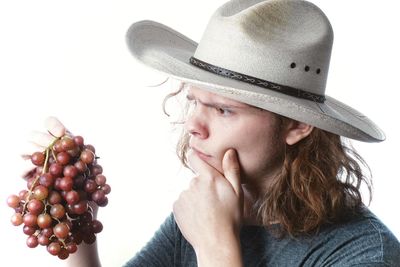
(276,181)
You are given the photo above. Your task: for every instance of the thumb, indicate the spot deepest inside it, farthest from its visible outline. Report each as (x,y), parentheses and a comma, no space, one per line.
(231,168)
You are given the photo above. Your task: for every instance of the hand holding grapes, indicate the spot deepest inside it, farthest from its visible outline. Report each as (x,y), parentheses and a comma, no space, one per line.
(64,188)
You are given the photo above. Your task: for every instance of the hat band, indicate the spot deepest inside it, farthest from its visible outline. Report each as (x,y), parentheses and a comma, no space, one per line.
(259,82)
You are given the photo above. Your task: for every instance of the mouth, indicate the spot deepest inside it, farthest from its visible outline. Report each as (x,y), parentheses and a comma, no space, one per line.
(201,155)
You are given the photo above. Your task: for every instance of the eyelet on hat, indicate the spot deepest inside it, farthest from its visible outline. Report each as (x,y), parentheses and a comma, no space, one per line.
(318,71)
(293,65)
(307,68)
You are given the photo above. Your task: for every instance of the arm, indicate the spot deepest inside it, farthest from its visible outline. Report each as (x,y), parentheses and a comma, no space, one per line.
(85,256)
(209,213)
(227,254)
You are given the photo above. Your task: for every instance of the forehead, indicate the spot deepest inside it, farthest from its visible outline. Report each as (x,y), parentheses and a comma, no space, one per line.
(205,95)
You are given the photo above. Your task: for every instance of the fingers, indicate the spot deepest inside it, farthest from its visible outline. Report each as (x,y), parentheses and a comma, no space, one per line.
(200,166)
(231,168)
(54,127)
(41,139)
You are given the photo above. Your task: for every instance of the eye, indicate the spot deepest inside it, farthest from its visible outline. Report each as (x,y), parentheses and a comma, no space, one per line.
(224,111)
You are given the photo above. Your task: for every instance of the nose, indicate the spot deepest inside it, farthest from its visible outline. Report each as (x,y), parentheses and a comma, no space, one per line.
(196,124)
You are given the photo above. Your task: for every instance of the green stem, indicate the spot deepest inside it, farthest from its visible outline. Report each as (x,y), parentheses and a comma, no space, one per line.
(46,162)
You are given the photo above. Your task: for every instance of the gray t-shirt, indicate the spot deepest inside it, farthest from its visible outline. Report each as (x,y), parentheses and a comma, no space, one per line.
(363,241)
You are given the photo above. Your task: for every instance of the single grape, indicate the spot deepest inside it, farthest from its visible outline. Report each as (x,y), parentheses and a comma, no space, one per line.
(98,196)
(106,188)
(81,207)
(90,186)
(57,147)
(56,169)
(87,156)
(29,230)
(72,197)
(63,254)
(30,220)
(100,179)
(46,179)
(66,183)
(35,206)
(79,141)
(13,201)
(54,197)
(40,192)
(32,241)
(103,202)
(70,171)
(96,169)
(63,158)
(80,166)
(67,143)
(61,230)
(97,226)
(57,211)
(38,158)
(43,240)
(16,219)
(54,248)
(48,232)
(44,220)
(71,247)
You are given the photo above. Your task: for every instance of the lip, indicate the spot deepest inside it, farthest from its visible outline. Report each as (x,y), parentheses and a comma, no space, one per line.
(202,155)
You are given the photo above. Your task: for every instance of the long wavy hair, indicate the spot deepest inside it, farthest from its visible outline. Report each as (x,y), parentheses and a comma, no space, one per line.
(318,184)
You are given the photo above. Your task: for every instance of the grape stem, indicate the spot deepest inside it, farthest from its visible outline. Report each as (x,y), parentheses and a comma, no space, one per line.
(46,162)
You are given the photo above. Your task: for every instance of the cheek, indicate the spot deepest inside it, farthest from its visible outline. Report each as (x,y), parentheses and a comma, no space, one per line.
(260,157)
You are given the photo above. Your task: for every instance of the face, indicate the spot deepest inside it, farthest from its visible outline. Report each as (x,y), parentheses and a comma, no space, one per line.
(216,124)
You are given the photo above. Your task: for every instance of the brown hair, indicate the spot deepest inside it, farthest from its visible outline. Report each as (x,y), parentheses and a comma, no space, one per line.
(319,182)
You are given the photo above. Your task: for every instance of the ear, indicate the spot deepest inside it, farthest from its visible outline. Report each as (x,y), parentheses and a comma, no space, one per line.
(297,131)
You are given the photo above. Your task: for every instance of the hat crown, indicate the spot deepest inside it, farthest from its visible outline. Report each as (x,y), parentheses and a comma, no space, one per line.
(288,42)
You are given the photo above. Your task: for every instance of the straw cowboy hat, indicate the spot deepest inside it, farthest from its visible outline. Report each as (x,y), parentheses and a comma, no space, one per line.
(272,54)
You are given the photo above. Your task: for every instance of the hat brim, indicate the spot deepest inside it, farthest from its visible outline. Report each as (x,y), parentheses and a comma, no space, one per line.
(168,51)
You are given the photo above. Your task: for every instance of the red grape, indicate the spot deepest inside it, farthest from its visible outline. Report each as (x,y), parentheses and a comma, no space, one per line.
(16,219)
(61,230)
(13,201)
(44,220)
(32,241)
(87,156)
(55,210)
(38,158)
(54,248)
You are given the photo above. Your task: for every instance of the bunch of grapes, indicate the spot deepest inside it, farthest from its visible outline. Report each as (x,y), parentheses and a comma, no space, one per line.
(63,190)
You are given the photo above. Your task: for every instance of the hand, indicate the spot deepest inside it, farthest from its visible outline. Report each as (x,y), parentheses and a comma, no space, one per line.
(210,211)
(41,141)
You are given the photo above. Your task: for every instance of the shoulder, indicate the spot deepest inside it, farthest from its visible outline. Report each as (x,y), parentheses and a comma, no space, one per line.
(362,240)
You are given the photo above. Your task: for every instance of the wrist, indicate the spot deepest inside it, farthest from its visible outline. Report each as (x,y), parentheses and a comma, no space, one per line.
(224,251)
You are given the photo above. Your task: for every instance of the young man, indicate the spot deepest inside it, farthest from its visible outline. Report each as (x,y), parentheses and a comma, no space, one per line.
(275,184)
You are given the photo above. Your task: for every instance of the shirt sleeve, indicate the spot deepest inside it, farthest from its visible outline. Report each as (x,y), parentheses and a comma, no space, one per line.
(159,251)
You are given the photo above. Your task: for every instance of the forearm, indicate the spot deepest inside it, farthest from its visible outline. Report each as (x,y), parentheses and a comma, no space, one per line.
(85,256)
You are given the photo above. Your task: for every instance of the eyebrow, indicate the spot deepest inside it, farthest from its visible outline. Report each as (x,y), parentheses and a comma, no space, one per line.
(191,97)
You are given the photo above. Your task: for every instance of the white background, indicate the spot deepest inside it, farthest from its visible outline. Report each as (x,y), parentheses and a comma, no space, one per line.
(69,59)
